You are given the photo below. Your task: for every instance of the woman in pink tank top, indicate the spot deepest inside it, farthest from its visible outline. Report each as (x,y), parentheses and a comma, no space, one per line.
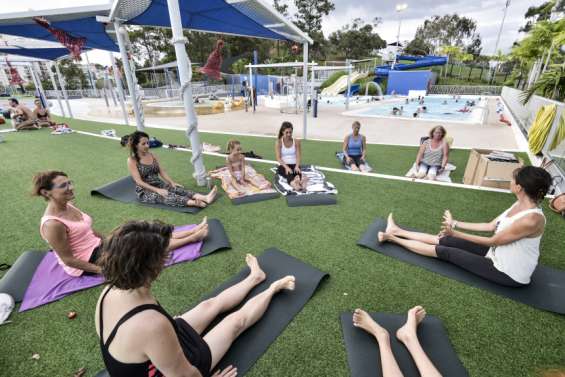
(69,231)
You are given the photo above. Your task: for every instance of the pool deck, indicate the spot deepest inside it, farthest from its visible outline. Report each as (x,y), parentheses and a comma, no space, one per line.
(329,125)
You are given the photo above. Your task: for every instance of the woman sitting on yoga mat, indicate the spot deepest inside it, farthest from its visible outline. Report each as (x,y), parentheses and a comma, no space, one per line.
(237,167)
(288,152)
(139,338)
(354,148)
(508,257)
(69,231)
(433,154)
(153,184)
(407,334)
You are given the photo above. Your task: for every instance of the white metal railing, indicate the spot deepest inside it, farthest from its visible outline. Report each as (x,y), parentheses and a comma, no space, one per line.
(466,89)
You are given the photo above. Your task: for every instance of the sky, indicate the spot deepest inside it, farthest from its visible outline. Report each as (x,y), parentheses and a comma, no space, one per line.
(487,13)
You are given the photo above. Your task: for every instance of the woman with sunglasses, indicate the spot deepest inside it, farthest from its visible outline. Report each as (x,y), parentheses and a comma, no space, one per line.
(69,231)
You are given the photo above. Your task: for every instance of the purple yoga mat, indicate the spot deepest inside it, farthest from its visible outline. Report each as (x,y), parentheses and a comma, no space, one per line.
(51,283)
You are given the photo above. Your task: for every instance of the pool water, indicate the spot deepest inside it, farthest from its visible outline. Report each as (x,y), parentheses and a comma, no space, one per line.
(437,108)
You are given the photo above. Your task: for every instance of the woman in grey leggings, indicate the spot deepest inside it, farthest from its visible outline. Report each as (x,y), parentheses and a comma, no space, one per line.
(509,256)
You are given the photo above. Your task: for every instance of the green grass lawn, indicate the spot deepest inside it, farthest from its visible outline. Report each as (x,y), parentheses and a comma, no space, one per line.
(493,336)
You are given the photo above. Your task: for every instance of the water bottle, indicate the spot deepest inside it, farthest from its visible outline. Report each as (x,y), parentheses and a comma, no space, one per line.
(209,182)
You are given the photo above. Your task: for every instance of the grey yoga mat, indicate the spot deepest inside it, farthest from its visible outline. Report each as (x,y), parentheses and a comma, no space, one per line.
(16,280)
(311,200)
(363,350)
(285,305)
(255,198)
(18,277)
(123,190)
(546,290)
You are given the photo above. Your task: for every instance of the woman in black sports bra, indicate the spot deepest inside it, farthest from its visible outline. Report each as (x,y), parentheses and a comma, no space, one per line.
(139,338)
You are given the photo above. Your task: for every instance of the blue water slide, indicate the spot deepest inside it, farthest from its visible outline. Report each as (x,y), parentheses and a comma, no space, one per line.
(419,62)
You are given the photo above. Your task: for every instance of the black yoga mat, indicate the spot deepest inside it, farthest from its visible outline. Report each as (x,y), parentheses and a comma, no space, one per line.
(311,200)
(363,350)
(546,290)
(250,345)
(16,280)
(217,238)
(255,198)
(123,190)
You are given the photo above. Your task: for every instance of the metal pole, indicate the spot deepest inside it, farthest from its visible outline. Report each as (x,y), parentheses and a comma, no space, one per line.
(501,26)
(121,95)
(63,89)
(348,83)
(185,75)
(251,88)
(304,90)
(108,85)
(90,75)
(130,79)
(52,77)
(312,90)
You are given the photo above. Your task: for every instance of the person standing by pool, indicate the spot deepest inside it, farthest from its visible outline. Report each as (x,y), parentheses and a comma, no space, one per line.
(433,154)
(354,149)
(289,152)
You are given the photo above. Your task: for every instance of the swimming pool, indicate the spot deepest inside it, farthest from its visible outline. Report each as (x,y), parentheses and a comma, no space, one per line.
(442,108)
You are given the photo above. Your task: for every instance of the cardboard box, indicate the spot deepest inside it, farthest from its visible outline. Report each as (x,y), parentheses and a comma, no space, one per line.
(480,171)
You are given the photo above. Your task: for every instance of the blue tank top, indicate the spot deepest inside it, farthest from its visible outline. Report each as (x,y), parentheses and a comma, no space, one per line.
(355,147)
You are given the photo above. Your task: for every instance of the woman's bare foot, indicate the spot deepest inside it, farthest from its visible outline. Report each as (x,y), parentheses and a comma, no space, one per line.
(383,237)
(256,271)
(201,233)
(287,282)
(211,195)
(391,226)
(202,223)
(196,203)
(363,320)
(408,332)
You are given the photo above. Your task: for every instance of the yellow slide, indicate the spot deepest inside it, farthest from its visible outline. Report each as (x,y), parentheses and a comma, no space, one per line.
(340,85)
(537,136)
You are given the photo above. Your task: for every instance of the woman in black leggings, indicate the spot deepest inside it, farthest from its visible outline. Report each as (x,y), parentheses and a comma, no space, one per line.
(509,256)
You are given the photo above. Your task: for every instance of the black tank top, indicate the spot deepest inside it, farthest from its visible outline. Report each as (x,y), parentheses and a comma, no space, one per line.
(117,368)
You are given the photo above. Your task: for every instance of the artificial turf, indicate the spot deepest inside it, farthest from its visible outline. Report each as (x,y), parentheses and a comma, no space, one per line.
(493,336)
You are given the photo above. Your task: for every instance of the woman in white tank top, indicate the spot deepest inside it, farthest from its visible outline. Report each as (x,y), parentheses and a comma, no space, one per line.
(510,255)
(288,152)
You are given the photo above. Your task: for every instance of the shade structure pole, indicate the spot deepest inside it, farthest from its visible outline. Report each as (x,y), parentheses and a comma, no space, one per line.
(63,89)
(121,95)
(130,78)
(38,85)
(108,86)
(304,90)
(348,84)
(91,76)
(185,75)
(251,88)
(52,77)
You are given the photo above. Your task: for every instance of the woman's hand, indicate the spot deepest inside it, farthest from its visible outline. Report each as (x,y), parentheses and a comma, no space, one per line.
(162,192)
(287,170)
(447,218)
(227,372)
(174,184)
(349,160)
(297,169)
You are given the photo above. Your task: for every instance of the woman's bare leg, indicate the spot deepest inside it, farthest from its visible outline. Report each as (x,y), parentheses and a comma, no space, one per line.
(364,321)
(186,233)
(221,337)
(353,167)
(204,313)
(392,228)
(407,335)
(417,247)
(175,243)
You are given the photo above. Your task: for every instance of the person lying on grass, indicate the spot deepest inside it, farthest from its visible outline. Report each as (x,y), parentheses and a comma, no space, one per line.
(139,338)
(69,232)
(289,152)
(509,256)
(354,149)
(432,155)
(236,165)
(407,334)
(153,184)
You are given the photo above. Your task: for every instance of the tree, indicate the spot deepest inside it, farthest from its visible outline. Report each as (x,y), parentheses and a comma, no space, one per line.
(551,84)
(535,14)
(418,46)
(281,7)
(74,76)
(308,18)
(450,30)
(357,40)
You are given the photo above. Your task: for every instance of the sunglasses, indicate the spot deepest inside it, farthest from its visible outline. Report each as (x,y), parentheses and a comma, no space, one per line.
(63,185)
